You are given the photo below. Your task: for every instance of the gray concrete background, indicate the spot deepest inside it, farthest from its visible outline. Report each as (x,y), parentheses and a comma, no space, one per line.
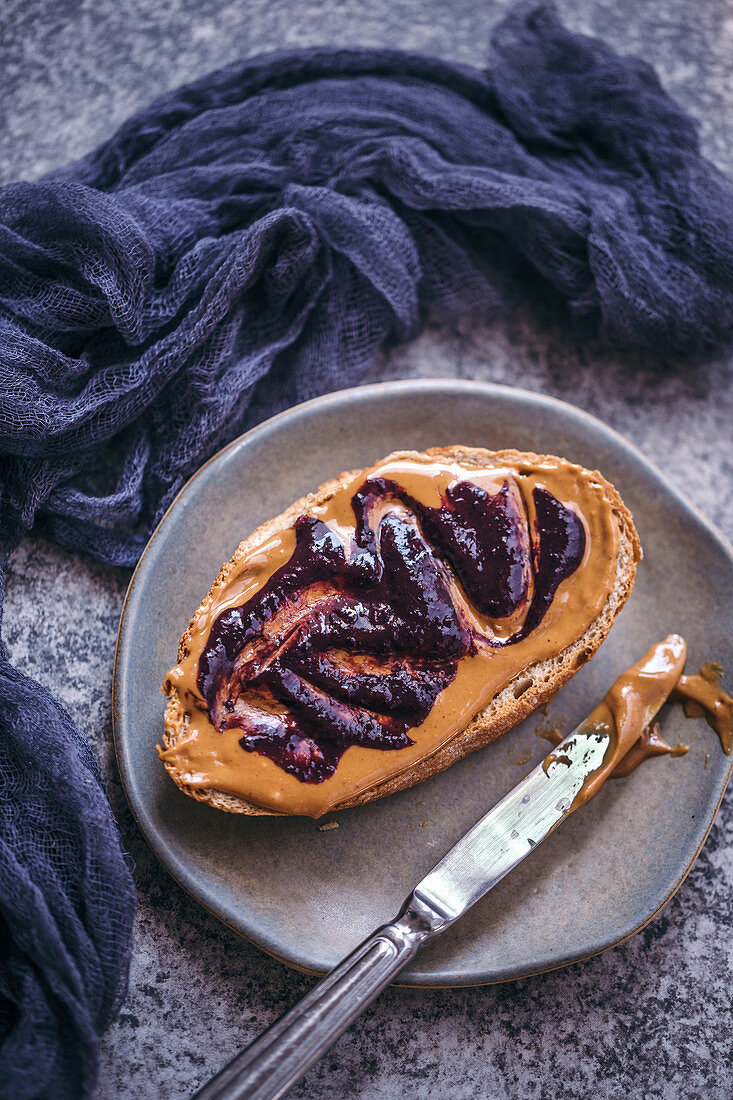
(651,1018)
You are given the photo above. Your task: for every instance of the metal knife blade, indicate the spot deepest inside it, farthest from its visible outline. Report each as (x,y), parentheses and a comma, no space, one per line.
(512,828)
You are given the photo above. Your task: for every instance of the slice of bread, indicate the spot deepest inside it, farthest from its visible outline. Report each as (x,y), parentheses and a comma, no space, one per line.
(537,684)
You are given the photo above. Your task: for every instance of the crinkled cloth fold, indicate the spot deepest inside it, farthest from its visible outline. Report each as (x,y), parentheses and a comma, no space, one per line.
(246,242)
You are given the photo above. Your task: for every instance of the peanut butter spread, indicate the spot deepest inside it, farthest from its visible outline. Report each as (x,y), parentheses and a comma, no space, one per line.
(629,707)
(358,641)
(627,710)
(651,743)
(703,697)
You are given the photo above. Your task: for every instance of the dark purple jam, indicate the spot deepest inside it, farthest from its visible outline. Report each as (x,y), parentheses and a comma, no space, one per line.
(352,647)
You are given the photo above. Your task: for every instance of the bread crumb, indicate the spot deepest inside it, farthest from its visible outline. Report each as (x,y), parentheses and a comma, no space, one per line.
(328,825)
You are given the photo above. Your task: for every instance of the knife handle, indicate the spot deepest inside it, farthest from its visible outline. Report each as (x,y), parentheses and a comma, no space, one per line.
(273,1063)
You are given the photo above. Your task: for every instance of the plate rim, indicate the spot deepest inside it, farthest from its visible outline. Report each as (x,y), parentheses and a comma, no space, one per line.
(438,979)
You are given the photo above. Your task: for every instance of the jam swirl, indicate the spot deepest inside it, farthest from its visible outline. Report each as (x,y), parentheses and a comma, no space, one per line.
(350,643)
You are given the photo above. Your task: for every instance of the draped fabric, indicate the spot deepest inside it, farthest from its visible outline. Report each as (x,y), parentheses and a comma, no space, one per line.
(246,242)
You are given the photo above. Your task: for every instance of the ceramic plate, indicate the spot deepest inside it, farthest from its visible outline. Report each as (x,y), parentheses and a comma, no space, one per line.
(308,895)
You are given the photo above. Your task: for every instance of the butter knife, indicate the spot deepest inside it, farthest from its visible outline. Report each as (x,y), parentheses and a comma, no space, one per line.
(482,857)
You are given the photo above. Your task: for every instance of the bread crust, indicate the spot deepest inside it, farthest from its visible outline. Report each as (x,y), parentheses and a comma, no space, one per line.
(534,687)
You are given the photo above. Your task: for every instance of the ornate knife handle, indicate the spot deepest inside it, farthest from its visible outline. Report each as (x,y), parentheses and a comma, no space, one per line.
(283,1053)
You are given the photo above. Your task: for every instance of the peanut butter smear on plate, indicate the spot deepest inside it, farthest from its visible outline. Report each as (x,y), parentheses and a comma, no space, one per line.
(703,697)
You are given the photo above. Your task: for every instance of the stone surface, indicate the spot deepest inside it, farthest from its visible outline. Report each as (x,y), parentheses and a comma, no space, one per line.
(651,1018)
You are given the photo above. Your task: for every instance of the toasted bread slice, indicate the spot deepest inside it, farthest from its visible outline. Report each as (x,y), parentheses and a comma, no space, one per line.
(537,683)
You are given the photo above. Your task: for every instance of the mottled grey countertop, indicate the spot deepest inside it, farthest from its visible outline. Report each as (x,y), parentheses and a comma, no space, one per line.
(651,1018)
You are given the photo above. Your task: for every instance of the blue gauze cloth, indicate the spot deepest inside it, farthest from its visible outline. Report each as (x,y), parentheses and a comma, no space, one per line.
(249,241)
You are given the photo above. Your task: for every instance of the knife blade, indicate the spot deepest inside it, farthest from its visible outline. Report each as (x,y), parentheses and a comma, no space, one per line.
(478,861)
(513,827)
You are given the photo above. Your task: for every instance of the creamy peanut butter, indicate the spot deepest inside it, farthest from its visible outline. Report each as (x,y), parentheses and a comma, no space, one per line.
(629,707)
(651,743)
(641,690)
(703,697)
(502,645)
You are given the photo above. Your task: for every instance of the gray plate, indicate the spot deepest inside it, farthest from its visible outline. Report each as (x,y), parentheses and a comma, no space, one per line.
(309,896)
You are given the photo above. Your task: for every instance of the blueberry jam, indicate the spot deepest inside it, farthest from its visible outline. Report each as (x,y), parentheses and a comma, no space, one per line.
(351,645)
